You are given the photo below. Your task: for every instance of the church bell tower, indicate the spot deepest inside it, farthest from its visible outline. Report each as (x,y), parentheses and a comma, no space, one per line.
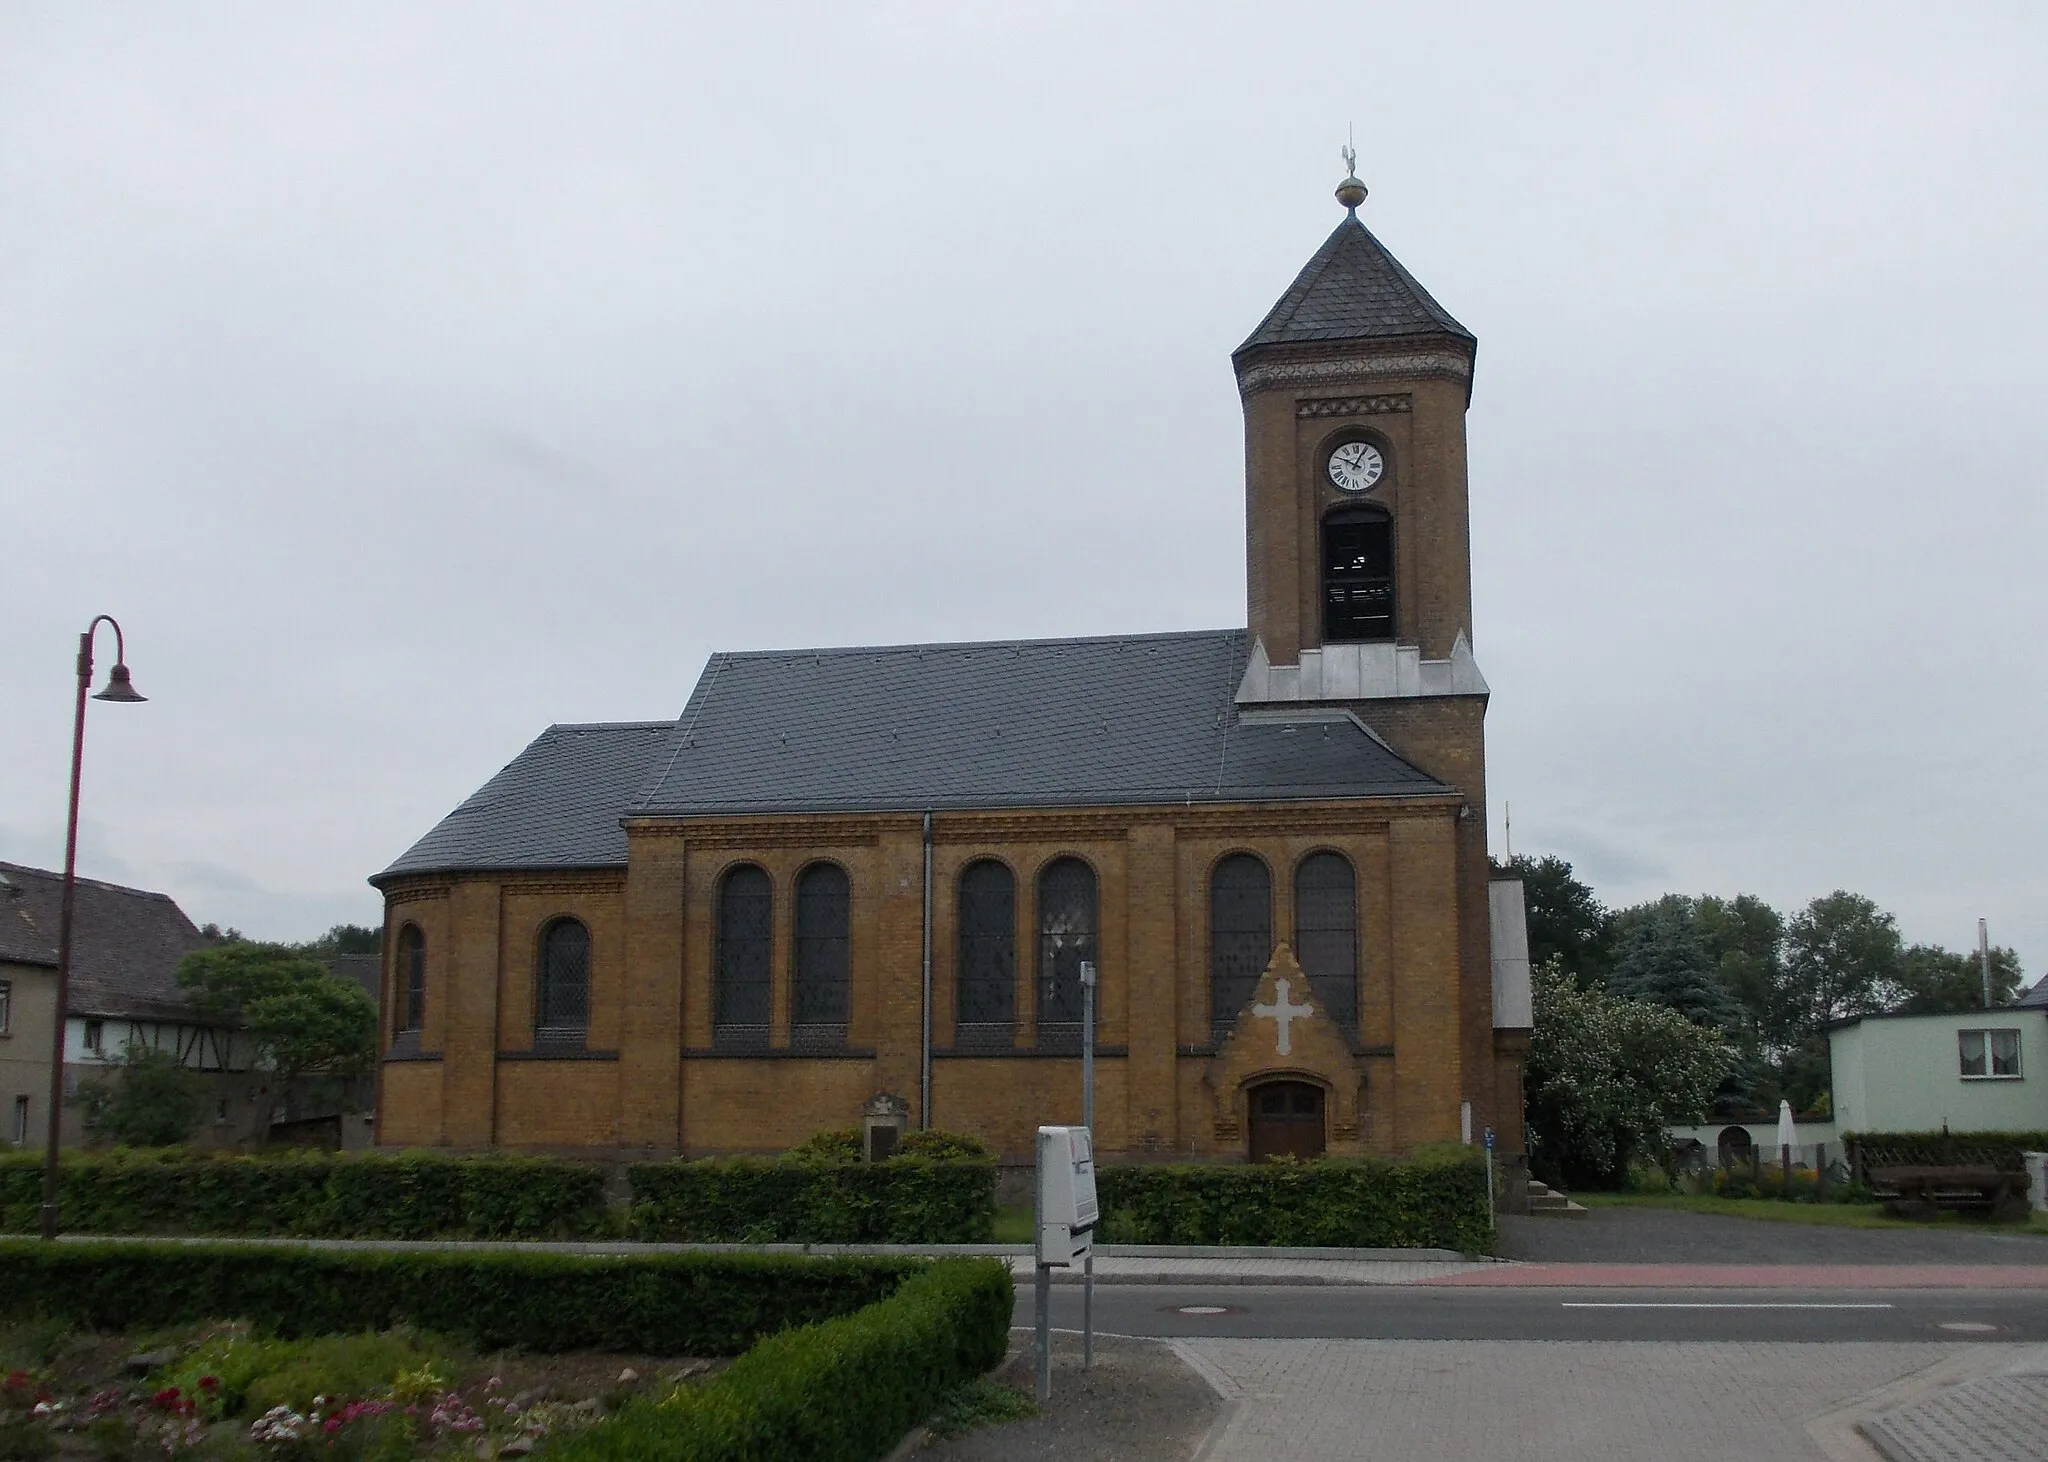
(1354,389)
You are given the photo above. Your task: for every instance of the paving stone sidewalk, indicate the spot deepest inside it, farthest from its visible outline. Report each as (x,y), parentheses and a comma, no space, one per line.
(2001,1418)
(1553,1401)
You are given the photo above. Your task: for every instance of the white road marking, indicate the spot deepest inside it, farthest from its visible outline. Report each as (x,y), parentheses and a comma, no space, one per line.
(1713,1305)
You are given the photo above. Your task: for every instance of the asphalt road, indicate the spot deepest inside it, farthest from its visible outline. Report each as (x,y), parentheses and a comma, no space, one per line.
(1401,1312)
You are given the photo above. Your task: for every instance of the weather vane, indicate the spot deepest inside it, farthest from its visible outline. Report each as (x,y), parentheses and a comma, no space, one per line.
(1350,192)
(1350,154)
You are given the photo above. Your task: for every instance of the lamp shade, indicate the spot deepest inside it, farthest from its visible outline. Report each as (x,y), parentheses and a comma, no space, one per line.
(119,688)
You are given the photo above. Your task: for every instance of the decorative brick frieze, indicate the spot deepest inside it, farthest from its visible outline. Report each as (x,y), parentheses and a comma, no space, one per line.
(1353,405)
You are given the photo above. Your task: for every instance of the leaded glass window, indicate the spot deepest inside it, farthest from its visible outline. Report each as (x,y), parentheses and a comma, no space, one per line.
(1358,575)
(1240,936)
(1066,938)
(1326,933)
(412,978)
(823,958)
(745,943)
(562,1006)
(986,991)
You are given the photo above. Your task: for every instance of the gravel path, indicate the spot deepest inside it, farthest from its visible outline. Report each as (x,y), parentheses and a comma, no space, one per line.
(1141,1402)
(1671,1236)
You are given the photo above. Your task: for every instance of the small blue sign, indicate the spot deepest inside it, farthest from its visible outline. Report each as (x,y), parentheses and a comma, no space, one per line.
(1489,1139)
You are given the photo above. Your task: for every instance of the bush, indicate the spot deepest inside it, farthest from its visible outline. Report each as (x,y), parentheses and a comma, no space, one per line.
(1426,1202)
(1648,1178)
(655,1304)
(906,1200)
(153,1099)
(848,1388)
(409,1195)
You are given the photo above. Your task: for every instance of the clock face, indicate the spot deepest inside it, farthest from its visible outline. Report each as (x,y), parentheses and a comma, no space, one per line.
(1356,466)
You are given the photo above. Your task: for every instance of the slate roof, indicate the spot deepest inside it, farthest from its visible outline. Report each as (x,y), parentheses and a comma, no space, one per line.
(556,806)
(1353,289)
(125,942)
(2037,995)
(1019,723)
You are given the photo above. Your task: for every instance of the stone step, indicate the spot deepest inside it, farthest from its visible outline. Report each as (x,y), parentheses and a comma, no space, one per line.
(1546,1202)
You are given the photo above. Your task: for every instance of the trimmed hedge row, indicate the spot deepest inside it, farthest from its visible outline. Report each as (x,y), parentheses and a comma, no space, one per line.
(1329,1203)
(2003,1150)
(848,1388)
(655,1304)
(408,1195)
(906,1200)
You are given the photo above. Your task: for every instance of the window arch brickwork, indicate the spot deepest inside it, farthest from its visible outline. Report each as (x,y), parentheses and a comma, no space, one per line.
(1066,938)
(1326,933)
(562,996)
(818,1005)
(1240,936)
(742,993)
(985,981)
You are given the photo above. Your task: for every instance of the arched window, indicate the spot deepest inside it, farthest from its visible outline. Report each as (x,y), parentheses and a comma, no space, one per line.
(412,978)
(823,958)
(1358,574)
(1326,933)
(562,1003)
(986,988)
(745,937)
(1240,936)
(1066,938)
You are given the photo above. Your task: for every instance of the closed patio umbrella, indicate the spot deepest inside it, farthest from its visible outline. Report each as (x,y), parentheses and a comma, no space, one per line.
(1788,1138)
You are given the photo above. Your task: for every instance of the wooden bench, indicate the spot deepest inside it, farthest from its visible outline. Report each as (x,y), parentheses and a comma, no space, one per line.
(1922,1191)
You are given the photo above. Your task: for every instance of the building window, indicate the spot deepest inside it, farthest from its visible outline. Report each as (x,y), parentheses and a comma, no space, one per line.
(1358,574)
(1066,940)
(745,941)
(96,1036)
(823,956)
(1240,937)
(412,978)
(562,1006)
(1989,1053)
(986,1001)
(21,1121)
(6,1007)
(1326,933)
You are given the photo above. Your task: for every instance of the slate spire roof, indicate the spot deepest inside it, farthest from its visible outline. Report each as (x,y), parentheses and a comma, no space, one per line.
(1353,289)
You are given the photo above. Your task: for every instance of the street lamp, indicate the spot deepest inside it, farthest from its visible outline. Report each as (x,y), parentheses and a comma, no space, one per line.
(118,688)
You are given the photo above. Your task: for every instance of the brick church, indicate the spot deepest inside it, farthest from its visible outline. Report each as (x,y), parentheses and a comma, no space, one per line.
(847,874)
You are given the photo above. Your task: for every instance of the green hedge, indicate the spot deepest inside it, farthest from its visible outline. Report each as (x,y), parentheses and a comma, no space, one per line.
(1330,1203)
(656,1304)
(2003,1150)
(406,1195)
(906,1200)
(848,1388)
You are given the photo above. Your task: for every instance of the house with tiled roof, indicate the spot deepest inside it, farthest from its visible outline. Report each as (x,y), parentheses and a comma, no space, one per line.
(881,878)
(126,945)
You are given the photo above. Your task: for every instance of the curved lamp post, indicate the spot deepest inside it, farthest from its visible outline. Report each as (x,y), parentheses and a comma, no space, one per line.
(118,688)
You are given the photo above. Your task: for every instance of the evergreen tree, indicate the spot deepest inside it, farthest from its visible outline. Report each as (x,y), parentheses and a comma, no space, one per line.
(1661,958)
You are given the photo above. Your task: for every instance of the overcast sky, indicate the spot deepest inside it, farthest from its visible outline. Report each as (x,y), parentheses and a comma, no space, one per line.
(407,378)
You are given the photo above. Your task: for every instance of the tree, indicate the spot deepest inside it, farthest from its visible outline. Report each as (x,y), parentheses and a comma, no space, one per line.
(154,1100)
(1745,937)
(1566,922)
(1842,952)
(302,1020)
(346,939)
(1931,979)
(1606,1075)
(1660,957)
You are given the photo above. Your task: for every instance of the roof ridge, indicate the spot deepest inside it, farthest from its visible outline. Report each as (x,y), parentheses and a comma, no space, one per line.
(939,645)
(610,725)
(55,876)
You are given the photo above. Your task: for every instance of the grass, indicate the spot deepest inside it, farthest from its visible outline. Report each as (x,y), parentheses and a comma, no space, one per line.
(1013,1224)
(983,1401)
(1827,1215)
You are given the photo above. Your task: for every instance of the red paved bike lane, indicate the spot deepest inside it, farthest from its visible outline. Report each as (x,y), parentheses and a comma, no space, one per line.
(1750,1276)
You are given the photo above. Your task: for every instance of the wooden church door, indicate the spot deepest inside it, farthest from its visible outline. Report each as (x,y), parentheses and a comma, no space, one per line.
(1287,1118)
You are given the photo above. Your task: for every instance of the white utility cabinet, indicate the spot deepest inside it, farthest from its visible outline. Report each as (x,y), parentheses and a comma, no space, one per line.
(1066,1195)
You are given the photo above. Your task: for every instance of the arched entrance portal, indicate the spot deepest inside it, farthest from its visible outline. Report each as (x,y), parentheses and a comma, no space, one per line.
(1286,1119)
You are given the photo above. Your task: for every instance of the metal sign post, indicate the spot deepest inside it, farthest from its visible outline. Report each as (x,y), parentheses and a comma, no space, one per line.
(1489,1177)
(1042,1298)
(1088,1121)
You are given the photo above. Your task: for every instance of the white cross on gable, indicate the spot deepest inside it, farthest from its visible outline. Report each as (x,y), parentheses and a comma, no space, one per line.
(1283,1013)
